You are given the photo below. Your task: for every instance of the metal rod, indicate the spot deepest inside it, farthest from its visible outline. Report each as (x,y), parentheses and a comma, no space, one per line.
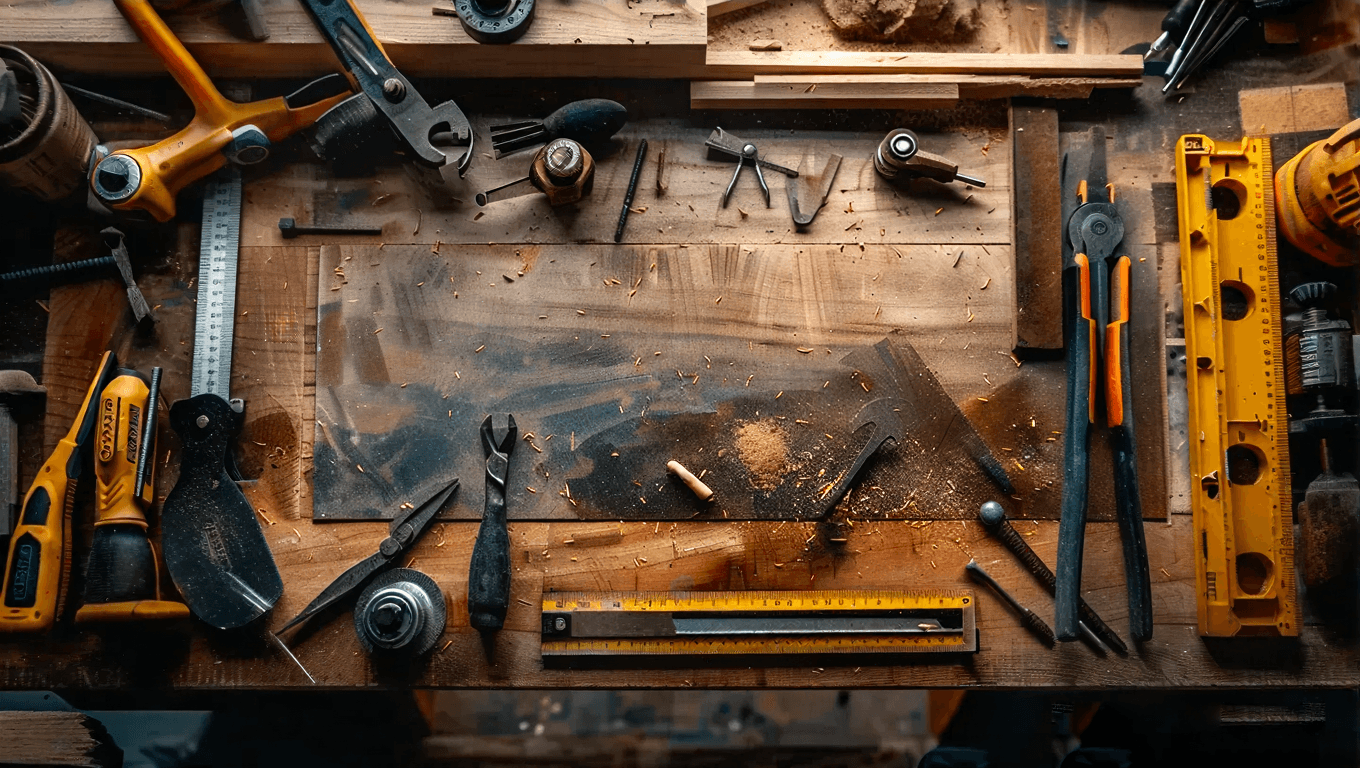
(148,430)
(632,190)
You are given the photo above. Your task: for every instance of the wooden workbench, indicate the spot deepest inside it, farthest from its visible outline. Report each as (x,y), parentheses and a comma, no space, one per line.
(274,369)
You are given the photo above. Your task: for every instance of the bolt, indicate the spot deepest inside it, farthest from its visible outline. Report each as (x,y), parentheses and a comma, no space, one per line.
(202,422)
(562,160)
(560,624)
(993,515)
(393,90)
(290,229)
(1030,618)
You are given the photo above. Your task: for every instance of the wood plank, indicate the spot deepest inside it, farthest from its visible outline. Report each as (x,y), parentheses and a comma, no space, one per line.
(741,65)
(586,38)
(722,7)
(1037,231)
(736,94)
(905,91)
(72,739)
(693,555)
(862,208)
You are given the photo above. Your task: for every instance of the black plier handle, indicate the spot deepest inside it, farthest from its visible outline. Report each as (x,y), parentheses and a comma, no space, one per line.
(1098,312)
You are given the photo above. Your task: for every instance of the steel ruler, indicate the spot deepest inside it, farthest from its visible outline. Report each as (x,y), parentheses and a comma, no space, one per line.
(1239,428)
(215,317)
(757,623)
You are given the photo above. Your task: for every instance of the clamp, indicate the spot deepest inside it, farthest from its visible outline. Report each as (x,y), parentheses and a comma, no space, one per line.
(724,143)
(222,131)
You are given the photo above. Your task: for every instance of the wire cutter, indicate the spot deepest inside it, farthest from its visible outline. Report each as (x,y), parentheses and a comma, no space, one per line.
(724,143)
(489,571)
(404,532)
(1097,300)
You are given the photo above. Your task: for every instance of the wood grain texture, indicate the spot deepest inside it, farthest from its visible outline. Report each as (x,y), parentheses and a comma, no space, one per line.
(71,739)
(584,38)
(892,91)
(747,64)
(1037,228)
(721,7)
(738,94)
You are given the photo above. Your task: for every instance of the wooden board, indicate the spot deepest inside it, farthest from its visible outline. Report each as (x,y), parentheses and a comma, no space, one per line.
(584,38)
(742,65)
(1037,229)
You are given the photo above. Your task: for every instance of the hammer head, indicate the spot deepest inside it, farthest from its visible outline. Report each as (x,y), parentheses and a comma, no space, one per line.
(140,309)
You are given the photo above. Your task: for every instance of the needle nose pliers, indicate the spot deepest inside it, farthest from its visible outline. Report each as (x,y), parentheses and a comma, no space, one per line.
(1098,304)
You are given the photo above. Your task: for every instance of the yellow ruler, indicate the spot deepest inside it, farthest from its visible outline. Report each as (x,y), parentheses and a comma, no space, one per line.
(757,623)
(1239,429)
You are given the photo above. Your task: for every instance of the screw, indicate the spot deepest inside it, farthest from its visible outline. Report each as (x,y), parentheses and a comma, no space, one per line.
(393,90)
(68,270)
(993,515)
(290,229)
(202,422)
(1030,618)
(559,624)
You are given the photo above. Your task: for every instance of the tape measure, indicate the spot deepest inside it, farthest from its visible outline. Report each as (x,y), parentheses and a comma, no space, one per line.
(757,623)
(1239,441)
(215,318)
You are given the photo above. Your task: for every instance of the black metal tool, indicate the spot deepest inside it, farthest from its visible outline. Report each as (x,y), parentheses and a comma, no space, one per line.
(725,144)
(632,190)
(213,546)
(289,229)
(1029,618)
(495,21)
(117,262)
(489,571)
(899,156)
(1096,312)
(404,531)
(401,612)
(882,413)
(587,121)
(993,515)
(818,187)
(385,96)
(1174,24)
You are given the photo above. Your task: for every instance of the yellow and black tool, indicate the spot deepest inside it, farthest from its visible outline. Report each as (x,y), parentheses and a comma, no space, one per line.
(122,579)
(222,131)
(1235,377)
(38,571)
(712,624)
(1318,196)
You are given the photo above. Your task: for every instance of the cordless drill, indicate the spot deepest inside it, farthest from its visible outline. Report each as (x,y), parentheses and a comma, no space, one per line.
(122,580)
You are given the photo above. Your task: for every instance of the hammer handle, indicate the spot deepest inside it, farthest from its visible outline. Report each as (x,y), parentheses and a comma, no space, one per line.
(66,271)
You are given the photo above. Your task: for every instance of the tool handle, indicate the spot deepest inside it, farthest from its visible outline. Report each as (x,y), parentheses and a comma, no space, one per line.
(1037,625)
(122,414)
(152,29)
(1081,372)
(489,571)
(1119,415)
(36,572)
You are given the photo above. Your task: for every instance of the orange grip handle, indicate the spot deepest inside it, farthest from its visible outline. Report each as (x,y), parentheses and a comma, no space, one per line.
(1115,353)
(122,416)
(168,166)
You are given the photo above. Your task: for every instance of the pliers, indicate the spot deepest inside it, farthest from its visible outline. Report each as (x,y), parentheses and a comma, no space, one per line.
(745,151)
(489,571)
(1097,302)
(405,529)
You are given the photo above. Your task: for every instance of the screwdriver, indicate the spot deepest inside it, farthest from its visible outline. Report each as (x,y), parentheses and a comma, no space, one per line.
(122,578)
(37,571)
(1174,24)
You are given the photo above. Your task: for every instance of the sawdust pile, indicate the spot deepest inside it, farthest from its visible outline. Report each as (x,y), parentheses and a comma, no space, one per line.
(905,20)
(764,448)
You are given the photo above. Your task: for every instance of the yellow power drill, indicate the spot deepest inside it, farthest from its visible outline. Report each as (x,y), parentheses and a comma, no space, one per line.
(122,578)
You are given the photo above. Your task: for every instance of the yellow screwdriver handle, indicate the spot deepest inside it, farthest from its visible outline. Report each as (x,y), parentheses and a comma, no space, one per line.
(122,416)
(37,570)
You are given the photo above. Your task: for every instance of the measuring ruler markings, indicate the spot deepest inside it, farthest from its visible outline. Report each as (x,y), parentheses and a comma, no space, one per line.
(1239,453)
(757,623)
(216,313)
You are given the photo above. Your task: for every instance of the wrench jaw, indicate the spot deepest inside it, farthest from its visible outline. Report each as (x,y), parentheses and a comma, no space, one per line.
(452,130)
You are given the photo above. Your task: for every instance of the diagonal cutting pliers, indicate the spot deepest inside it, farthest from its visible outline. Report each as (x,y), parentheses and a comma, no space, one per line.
(489,571)
(1097,311)
(404,531)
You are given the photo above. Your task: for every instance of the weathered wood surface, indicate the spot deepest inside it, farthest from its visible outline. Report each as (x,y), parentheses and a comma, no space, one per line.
(733,65)
(583,38)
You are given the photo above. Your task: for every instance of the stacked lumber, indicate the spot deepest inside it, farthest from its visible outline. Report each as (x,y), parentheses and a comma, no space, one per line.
(853,80)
